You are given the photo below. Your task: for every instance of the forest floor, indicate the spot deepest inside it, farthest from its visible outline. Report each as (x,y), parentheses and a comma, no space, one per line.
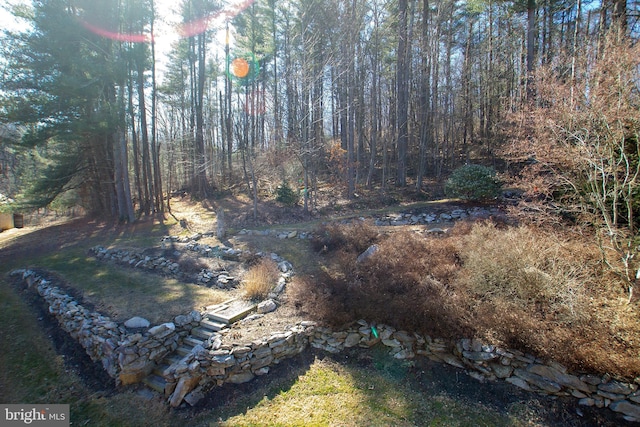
(444,393)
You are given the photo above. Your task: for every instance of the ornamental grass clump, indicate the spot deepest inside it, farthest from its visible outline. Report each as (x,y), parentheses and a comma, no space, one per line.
(260,279)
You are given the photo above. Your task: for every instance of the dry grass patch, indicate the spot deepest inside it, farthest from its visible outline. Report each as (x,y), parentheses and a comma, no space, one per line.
(123,292)
(527,266)
(260,279)
(354,236)
(520,287)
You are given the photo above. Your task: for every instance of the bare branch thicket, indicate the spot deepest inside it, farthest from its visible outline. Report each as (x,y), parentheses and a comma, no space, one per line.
(581,153)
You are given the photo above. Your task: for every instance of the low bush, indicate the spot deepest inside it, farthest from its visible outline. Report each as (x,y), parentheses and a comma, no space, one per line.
(355,236)
(260,279)
(286,195)
(473,182)
(518,287)
(526,266)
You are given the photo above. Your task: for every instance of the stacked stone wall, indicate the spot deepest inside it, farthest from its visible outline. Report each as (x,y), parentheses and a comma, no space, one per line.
(128,355)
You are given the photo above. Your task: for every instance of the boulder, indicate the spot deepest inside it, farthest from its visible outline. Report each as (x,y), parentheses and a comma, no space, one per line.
(367,254)
(137,322)
(267,306)
(162,330)
(185,385)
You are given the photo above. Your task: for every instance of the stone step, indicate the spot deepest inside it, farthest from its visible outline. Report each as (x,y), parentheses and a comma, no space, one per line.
(211,325)
(230,311)
(220,306)
(202,333)
(193,341)
(184,349)
(159,369)
(155,382)
(172,359)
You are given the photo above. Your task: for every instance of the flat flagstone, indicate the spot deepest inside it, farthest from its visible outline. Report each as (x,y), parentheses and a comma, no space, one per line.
(230,311)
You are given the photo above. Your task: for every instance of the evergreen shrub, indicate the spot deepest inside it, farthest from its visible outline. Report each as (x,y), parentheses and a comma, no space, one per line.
(286,195)
(473,182)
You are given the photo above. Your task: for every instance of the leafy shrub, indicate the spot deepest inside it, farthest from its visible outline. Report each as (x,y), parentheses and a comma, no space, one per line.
(286,195)
(260,279)
(473,182)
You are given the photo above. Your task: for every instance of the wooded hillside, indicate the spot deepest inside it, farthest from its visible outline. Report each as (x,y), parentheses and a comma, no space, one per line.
(371,92)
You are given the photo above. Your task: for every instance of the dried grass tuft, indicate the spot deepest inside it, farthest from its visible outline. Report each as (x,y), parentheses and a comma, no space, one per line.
(260,279)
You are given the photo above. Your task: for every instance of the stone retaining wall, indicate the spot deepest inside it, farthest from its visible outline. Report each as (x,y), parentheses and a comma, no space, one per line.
(168,267)
(128,355)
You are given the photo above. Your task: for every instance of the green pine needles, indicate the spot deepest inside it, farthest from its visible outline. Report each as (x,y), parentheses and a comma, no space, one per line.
(286,195)
(473,182)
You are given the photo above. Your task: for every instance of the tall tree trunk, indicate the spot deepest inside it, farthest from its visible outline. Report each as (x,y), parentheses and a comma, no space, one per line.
(531,39)
(155,149)
(147,177)
(425,95)
(200,178)
(134,141)
(402,94)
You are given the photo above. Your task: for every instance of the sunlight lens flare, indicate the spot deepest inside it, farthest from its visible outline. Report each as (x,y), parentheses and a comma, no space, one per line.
(243,68)
(184,30)
(240,68)
(113,35)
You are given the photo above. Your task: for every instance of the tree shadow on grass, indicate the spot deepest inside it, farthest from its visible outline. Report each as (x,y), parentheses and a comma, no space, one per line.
(446,395)
(229,399)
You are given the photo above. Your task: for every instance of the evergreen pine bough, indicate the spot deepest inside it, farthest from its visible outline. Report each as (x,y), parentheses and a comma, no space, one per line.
(286,196)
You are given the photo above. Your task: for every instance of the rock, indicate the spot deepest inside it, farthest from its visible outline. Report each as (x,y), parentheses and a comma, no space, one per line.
(241,377)
(519,382)
(391,343)
(194,397)
(352,340)
(196,316)
(538,381)
(267,306)
(262,371)
(404,337)
(198,350)
(252,317)
(591,379)
(282,282)
(501,371)
(182,320)
(285,266)
(437,230)
(451,360)
(586,401)
(618,387)
(162,330)
(367,254)
(292,235)
(626,408)
(555,375)
(134,372)
(479,356)
(404,354)
(185,385)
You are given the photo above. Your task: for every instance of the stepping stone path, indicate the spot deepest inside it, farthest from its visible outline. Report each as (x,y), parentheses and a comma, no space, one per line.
(215,319)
